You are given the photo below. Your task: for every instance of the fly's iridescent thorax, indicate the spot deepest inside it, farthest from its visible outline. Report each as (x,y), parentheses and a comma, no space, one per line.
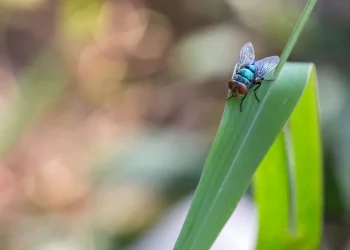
(246,75)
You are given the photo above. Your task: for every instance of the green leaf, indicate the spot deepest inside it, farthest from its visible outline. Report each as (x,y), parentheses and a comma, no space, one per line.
(241,143)
(288,183)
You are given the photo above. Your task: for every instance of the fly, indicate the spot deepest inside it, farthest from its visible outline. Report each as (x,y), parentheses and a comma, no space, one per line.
(249,73)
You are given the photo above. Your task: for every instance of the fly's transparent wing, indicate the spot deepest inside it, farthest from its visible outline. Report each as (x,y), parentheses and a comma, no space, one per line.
(246,55)
(234,71)
(265,66)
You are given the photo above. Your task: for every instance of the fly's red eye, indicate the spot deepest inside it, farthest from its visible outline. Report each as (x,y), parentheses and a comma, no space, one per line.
(242,89)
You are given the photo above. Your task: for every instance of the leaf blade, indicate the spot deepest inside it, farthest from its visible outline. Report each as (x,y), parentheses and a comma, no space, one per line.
(230,165)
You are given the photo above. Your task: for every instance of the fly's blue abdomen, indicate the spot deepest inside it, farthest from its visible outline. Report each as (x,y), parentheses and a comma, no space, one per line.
(237,77)
(250,67)
(246,73)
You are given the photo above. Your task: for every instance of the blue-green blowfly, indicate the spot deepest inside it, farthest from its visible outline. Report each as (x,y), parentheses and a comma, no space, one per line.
(249,73)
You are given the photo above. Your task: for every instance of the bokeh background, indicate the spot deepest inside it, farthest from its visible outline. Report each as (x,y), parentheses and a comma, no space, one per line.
(108,110)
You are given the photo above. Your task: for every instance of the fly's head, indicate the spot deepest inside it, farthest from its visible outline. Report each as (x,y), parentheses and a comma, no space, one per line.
(237,89)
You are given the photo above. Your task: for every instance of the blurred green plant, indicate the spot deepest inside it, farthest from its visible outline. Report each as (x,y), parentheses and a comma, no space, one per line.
(242,142)
(79,19)
(40,85)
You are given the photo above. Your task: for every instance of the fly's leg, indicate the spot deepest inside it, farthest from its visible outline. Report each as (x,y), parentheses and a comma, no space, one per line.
(240,106)
(229,97)
(259,84)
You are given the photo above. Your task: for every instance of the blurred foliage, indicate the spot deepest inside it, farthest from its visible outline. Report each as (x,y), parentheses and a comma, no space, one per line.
(94,161)
(80,17)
